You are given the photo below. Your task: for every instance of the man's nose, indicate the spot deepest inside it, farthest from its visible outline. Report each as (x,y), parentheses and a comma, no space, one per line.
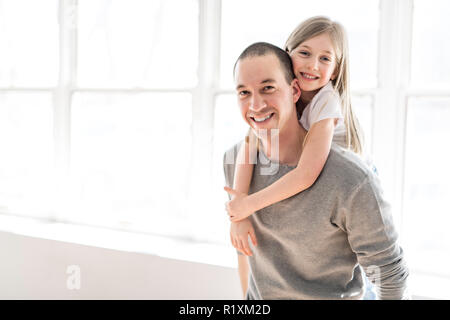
(257,103)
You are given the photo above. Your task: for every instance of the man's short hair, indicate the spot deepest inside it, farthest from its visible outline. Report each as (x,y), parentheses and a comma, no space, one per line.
(259,49)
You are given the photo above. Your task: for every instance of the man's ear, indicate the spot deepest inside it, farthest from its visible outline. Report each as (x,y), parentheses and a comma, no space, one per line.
(296,89)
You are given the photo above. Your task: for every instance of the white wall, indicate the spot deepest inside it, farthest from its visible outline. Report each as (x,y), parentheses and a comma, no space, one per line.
(34,268)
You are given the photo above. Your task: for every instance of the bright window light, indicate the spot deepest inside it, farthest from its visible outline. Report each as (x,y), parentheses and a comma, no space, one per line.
(130,158)
(27,157)
(138,43)
(427,186)
(431,25)
(28,43)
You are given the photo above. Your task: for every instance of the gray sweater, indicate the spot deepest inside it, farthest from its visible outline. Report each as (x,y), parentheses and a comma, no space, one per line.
(313,244)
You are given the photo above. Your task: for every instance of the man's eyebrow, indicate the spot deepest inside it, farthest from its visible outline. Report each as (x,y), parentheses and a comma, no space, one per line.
(240,86)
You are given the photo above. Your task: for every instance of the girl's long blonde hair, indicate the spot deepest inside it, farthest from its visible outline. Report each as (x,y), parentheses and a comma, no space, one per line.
(318,25)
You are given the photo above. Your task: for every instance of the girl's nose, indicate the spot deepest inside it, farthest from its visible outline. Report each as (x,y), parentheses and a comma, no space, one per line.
(313,64)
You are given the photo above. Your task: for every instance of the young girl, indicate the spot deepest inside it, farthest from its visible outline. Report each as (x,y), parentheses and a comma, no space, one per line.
(319,53)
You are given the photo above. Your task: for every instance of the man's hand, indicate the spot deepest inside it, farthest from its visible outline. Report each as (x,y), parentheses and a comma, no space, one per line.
(239,232)
(238,207)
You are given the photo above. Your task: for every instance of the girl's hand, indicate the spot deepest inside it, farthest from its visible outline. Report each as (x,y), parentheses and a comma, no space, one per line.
(238,207)
(239,232)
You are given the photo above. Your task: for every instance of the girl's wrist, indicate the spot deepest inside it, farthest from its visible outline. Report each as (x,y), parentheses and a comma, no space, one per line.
(251,204)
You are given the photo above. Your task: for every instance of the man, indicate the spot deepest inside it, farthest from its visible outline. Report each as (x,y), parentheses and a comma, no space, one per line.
(310,246)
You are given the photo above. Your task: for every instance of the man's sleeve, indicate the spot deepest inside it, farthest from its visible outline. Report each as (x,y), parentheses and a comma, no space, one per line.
(372,236)
(228,168)
(229,164)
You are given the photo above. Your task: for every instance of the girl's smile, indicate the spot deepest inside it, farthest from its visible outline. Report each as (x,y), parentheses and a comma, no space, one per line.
(308,76)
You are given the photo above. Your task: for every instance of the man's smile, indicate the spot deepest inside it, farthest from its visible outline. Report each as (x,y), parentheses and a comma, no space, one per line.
(260,119)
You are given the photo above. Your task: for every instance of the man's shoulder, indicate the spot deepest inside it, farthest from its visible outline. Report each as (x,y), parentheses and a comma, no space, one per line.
(229,156)
(347,166)
(229,161)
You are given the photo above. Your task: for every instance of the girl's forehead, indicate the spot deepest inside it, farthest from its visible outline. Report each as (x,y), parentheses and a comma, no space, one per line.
(321,42)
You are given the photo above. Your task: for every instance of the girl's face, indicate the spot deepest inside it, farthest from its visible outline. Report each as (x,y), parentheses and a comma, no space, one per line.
(314,62)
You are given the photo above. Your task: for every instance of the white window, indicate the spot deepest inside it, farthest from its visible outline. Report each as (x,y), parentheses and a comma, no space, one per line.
(117,113)
(28,73)
(426,185)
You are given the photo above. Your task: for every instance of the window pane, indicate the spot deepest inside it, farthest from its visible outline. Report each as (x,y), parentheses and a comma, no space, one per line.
(28,43)
(245,22)
(130,160)
(138,43)
(26,153)
(229,128)
(427,185)
(431,48)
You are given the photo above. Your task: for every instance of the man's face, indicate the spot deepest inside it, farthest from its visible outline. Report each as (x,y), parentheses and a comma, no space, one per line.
(265,98)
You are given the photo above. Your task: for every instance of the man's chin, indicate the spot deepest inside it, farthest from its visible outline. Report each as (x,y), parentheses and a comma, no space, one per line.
(265,133)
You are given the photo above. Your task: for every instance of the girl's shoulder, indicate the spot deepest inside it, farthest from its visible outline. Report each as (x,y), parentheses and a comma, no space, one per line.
(327,92)
(326,99)
(325,104)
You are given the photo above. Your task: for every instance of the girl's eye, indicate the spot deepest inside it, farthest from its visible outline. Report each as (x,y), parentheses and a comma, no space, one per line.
(303,53)
(327,59)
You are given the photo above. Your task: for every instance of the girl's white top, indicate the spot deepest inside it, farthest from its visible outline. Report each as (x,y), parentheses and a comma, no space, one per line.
(326,104)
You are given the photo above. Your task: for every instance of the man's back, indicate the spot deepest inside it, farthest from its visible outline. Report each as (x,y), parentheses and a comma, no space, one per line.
(309,245)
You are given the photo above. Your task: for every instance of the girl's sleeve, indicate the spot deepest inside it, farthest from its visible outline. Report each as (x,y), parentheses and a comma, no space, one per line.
(327,106)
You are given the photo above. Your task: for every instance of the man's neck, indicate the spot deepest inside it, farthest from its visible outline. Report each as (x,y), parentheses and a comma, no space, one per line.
(290,141)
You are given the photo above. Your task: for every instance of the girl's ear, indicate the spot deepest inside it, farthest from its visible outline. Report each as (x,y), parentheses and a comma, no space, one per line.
(296,90)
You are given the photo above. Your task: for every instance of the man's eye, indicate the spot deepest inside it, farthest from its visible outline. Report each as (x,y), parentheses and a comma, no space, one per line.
(268,88)
(243,93)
